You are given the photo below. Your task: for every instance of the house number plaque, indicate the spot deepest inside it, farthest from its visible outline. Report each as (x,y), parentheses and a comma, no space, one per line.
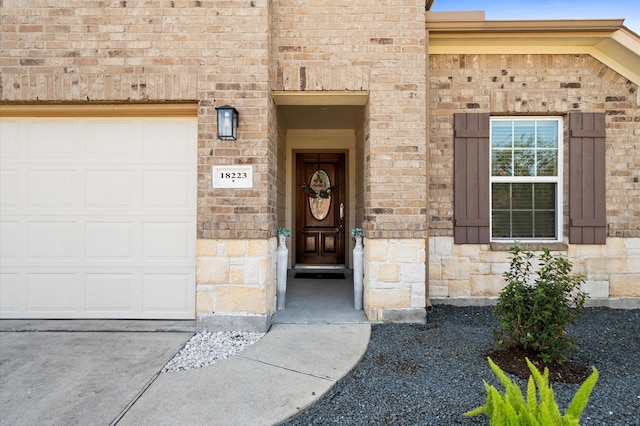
(232,176)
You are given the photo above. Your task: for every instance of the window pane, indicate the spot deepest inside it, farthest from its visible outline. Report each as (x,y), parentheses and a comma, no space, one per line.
(547,134)
(522,196)
(501,224)
(522,224)
(501,196)
(501,162)
(545,224)
(545,196)
(547,162)
(524,134)
(501,135)
(524,161)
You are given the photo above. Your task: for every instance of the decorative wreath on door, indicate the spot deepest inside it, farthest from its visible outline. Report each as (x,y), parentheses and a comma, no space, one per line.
(319,192)
(319,185)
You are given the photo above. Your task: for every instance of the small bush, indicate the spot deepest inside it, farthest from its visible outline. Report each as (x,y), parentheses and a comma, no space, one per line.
(511,408)
(535,307)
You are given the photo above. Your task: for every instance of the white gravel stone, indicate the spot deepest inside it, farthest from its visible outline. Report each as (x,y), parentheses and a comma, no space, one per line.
(206,348)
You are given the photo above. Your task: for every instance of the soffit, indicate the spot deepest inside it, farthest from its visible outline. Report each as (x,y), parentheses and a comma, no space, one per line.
(321,116)
(321,110)
(604,39)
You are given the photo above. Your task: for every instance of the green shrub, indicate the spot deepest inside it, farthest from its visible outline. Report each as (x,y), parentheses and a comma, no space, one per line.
(535,307)
(511,408)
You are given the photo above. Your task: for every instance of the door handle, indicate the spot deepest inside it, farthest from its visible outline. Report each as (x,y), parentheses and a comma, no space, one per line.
(341,211)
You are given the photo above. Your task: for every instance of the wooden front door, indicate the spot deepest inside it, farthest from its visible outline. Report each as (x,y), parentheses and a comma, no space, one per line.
(320,208)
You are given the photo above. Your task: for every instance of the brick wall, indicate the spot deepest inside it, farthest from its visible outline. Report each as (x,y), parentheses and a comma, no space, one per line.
(215,52)
(535,85)
(231,52)
(377,46)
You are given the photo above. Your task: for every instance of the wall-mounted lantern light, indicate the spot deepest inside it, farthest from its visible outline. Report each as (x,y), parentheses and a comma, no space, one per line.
(227,123)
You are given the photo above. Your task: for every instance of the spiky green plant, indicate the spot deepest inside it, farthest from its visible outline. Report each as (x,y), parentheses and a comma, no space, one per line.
(510,408)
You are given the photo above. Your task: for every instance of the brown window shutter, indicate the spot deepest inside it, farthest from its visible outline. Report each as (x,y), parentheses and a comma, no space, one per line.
(471,178)
(587,202)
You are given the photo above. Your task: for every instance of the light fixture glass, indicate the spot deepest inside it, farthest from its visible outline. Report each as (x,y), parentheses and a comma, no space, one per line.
(227,123)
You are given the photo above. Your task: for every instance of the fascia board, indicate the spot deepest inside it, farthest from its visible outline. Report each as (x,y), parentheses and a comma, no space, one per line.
(523,26)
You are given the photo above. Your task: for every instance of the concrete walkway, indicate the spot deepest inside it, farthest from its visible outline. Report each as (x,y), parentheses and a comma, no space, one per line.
(270,382)
(92,376)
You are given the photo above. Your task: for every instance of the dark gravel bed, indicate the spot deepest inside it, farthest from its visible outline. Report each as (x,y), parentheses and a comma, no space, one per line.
(430,374)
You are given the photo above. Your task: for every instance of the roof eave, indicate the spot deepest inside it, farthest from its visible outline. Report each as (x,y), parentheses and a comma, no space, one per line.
(605,39)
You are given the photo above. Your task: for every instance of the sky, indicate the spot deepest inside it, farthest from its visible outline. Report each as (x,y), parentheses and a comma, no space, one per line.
(549,9)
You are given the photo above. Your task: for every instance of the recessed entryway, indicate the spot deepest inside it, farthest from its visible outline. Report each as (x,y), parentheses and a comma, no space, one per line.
(321,131)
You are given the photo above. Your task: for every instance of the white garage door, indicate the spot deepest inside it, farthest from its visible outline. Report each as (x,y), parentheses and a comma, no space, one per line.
(98,217)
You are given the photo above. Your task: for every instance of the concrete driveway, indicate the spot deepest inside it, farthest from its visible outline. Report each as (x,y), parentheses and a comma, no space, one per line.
(78,377)
(107,377)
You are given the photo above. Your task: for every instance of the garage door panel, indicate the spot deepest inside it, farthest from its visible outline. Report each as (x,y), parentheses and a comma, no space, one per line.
(9,139)
(11,289)
(51,188)
(98,218)
(167,241)
(52,292)
(50,240)
(167,189)
(167,140)
(9,184)
(52,138)
(110,139)
(111,241)
(10,247)
(108,292)
(174,286)
(110,188)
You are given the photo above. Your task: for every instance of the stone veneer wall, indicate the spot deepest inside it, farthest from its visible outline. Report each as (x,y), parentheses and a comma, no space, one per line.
(235,278)
(473,273)
(394,276)
(534,85)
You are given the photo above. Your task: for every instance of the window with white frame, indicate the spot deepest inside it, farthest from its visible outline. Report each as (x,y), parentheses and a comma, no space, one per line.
(526,178)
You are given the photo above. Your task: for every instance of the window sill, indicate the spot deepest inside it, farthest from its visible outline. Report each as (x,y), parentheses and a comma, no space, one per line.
(553,246)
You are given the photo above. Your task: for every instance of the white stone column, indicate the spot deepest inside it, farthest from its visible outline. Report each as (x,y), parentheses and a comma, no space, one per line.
(358,273)
(282,259)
